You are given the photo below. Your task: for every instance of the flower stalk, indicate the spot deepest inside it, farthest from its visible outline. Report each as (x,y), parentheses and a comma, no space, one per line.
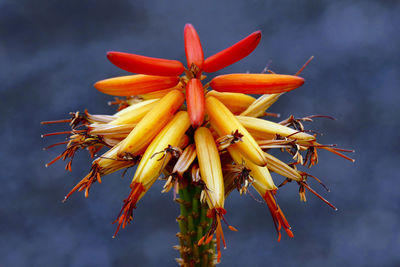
(193,224)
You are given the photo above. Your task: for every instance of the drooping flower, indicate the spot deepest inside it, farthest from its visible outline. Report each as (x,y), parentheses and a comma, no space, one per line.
(217,142)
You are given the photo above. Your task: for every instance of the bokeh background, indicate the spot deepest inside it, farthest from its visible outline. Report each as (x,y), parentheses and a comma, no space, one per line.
(51,52)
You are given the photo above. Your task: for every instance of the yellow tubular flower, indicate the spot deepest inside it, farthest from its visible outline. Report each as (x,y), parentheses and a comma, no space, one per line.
(258,107)
(225,123)
(161,93)
(185,160)
(141,107)
(235,102)
(259,128)
(157,155)
(262,178)
(282,168)
(210,167)
(151,164)
(152,123)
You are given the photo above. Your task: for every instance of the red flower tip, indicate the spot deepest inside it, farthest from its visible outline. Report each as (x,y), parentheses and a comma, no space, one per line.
(256,83)
(145,65)
(195,102)
(193,49)
(232,54)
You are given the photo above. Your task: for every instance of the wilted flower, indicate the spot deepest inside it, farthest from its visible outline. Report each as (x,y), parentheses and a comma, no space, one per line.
(205,149)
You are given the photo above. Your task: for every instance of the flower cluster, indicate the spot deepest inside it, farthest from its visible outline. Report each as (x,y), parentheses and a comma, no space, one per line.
(172,125)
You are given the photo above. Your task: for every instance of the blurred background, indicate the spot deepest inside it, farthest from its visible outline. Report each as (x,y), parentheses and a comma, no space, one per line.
(51,53)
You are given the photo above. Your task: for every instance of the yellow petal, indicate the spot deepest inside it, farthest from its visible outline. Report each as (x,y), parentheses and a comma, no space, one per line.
(258,107)
(210,167)
(138,107)
(225,123)
(282,168)
(259,128)
(235,102)
(262,178)
(152,123)
(161,93)
(185,160)
(154,159)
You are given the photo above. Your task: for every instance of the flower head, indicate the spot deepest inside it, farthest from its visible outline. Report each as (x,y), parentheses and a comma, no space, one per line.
(217,142)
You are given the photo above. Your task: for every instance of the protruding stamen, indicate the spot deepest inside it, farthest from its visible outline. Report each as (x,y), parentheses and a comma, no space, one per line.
(304,184)
(277,214)
(125,216)
(216,214)
(85,184)
(304,66)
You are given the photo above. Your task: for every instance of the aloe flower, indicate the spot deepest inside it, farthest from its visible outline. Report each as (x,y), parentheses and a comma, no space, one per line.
(204,139)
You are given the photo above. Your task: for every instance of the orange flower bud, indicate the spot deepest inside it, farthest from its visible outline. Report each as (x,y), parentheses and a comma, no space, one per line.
(256,83)
(135,84)
(232,54)
(146,65)
(193,49)
(195,102)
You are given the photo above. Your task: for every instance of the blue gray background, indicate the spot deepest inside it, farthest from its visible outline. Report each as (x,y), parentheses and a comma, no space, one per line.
(51,52)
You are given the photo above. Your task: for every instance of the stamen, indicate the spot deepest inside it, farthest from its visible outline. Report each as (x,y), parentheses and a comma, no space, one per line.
(85,184)
(335,151)
(216,214)
(277,215)
(65,132)
(304,184)
(56,144)
(55,121)
(125,216)
(304,66)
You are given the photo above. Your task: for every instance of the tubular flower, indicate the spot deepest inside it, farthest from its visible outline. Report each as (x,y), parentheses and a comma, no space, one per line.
(204,139)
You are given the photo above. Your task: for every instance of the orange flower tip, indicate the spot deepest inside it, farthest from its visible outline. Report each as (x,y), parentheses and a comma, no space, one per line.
(256,83)
(232,54)
(208,240)
(289,233)
(145,65)
(193,49)
(232,228)
(195,102)
(125,216)
(135,84)
(201,241)
(219,256)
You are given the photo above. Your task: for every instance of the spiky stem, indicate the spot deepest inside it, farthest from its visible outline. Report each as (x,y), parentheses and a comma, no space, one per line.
(193,224)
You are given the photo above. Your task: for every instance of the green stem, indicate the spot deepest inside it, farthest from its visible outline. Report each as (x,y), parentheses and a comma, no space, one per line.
(193,225)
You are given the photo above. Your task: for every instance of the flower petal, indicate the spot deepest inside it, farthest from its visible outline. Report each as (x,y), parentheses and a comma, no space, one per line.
(256,83)
(195,102)
(232,54)
(262,177)
(258,107)
(193,49)
(259,128)
(135,84)
(282,168)
(235,102)
(145,65)
(210,167)
(151,124)
(151,164)
(225,123)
